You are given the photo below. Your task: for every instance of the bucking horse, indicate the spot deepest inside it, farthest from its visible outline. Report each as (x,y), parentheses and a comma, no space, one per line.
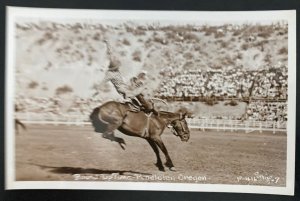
(114,115)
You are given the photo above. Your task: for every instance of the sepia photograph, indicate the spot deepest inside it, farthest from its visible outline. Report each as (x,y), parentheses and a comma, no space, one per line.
(151,100)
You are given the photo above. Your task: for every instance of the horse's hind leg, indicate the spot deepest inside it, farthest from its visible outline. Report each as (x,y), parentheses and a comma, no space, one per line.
(155,149)
(109,134)
(169,162)
(111,125)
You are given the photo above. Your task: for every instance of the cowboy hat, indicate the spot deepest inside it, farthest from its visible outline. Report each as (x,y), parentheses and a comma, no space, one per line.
(114,64)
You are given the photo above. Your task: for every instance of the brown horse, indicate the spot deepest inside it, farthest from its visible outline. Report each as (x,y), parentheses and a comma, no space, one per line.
(114,115)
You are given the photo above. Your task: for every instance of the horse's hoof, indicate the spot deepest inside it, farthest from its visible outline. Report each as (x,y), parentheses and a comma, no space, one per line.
(173,169)
(162,169)
(122,146)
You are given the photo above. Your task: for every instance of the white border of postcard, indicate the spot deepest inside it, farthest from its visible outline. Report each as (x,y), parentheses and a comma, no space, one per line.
(14,13)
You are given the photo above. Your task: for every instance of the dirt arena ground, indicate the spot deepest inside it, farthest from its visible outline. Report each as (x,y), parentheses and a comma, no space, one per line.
(68,153)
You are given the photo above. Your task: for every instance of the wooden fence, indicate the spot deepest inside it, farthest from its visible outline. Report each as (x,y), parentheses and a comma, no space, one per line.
(193,123)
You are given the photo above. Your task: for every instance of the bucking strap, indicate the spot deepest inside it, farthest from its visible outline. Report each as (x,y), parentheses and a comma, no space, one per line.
(146,130)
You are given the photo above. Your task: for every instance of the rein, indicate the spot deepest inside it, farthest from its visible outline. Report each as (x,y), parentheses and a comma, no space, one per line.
(174,131)
(181,124)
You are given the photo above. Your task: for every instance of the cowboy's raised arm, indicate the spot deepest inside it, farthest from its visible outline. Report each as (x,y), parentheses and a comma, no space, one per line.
(108,48)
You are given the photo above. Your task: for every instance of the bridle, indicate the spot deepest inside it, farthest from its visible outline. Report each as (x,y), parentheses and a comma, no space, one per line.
(181,122)
(173,130)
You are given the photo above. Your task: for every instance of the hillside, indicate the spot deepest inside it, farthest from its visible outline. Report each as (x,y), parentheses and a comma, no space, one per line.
(53,55)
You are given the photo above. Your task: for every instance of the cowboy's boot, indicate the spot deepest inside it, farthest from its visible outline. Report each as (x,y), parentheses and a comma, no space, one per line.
(147,107)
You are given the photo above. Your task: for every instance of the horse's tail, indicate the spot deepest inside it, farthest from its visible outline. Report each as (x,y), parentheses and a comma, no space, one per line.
(98,125)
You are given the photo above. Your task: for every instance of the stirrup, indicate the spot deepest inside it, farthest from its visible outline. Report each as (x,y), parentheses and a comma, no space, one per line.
(136,102)
(133,107)
(127,100)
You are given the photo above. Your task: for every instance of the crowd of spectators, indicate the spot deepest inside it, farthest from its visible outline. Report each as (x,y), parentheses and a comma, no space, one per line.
(267,111)
(269,83)
(264,89)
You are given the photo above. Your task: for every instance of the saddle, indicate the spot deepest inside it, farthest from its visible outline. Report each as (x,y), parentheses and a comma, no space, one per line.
(136,106)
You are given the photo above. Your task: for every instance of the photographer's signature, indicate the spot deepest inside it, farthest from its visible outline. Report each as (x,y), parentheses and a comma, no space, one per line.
(259,178)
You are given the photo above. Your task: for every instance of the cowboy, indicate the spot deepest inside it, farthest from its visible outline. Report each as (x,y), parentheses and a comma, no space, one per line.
(127,91)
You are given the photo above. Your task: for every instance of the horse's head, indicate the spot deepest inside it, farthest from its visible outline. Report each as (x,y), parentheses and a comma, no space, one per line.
(180,128)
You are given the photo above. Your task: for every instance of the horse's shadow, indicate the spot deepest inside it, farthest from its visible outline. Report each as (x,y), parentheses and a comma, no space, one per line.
(79,170)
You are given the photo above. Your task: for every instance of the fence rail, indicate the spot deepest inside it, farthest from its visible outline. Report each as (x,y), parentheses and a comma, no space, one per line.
(203,124)
(234,125)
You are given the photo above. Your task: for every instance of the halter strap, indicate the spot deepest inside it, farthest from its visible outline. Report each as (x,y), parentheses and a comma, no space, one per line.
(182,126)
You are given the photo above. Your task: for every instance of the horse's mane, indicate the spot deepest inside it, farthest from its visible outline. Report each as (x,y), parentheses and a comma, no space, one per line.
(167,114)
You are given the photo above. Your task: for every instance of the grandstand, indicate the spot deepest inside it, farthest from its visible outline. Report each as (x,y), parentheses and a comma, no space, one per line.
(265,90)
(225,84)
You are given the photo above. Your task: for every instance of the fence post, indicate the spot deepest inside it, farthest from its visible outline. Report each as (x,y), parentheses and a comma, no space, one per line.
(260,127)
(266,124)
(235,125)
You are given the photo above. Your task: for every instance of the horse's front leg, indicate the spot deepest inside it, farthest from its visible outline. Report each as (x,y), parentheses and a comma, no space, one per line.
(161,145)
(156,151)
